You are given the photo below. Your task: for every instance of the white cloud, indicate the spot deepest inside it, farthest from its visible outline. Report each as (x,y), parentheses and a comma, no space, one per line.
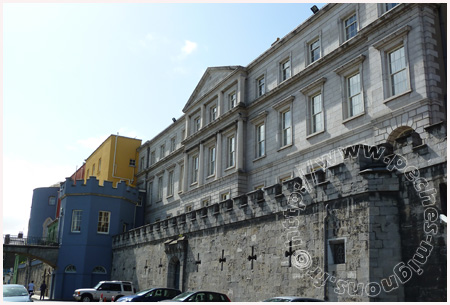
(188,47)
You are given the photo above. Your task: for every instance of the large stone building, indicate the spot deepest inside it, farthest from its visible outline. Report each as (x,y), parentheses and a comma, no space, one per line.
(318,170)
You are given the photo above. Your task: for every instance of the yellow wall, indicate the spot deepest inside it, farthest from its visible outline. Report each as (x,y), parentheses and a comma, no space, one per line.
(119,149)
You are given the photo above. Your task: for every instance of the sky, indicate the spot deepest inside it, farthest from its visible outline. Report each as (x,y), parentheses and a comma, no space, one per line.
(75,73)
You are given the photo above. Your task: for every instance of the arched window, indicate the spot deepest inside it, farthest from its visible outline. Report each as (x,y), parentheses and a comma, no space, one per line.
(99,270)
(70,269)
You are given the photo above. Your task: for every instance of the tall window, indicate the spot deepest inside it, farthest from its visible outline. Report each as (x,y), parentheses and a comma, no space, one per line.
(212,113)
(285,70)
(181,178)
(194,169)
(389,6)
(162,151)
(152,158)
(314,50)
(232,100)
(172,144)
(76,221)
(150,193)
(260,140)
(51,200)
(261,85)
(196,124)
(160,188)
(316,113)
(397,71)
(231,151)
(211,161)
(350,27)
(286,128)
(170,184)
(93,169)
(99,164)
(354,99)
(103,222)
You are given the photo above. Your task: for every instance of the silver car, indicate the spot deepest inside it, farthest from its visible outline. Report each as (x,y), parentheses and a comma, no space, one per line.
(15,293)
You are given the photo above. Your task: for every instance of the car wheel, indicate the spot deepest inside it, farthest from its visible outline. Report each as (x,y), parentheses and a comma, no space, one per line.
(117,297)
(86,298)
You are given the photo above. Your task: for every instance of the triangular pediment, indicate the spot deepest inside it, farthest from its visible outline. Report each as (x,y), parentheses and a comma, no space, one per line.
(210,79)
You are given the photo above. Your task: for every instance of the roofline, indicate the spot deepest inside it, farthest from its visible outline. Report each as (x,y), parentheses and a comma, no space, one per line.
(112,135)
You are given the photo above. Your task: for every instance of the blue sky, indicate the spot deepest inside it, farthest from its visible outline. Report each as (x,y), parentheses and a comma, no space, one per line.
(73,74)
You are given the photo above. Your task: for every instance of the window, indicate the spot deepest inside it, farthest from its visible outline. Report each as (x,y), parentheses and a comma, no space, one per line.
(76,221)
(316,113)
(260,140)
(195,164)
(162,151)
(93,168)
(99,270)
(181,179)
(132,163)
(261,86)
(99,164)
(350,27)
(397,71)
(160,188)
(51,200)
(212,113)
(141,164)
(170,184)
(70,269)
(196,124)
(205,203)
(286,128)
(285,70)
(150,193)
(314,50)
(103,222)
(354,95)
(389,6)
(172,144)
(152,158)
(337,248)
(211,161)
(232,100)
(87,174)
(225,196)
(231,149)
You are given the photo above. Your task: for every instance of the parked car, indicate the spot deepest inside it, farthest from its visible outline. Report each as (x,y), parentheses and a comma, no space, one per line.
(292,299)
(151,295)
(108,289)
(200,296)
(15,293)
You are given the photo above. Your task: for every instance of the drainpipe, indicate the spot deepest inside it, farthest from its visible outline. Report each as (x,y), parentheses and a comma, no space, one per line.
(325,252)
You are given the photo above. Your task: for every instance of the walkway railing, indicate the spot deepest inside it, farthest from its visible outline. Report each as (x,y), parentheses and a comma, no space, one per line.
(21,240)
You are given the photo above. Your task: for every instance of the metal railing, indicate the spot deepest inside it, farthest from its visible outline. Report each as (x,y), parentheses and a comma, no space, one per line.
(21,240)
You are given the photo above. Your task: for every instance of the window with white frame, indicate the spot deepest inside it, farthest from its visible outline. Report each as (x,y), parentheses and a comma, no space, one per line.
(232,100)
(194,169)
(181,179)
(285,67)
(225,196)
(76,221)
(172,144)
(261,86)
(231,151)
(316,108)
(286,127)
(52,200)
(103,222)
(170,184)
(395,64)
(141,163)
(260,140)
(70,269)
(314,50)
(152,158)
(160,188)
(354,98)
(212,113)
(211,160)
(162,151)
(397,71)
(196,122)
(350,26)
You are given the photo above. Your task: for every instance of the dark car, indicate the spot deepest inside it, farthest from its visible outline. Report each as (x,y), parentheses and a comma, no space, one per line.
(200,296)
(151,295)
(292,299)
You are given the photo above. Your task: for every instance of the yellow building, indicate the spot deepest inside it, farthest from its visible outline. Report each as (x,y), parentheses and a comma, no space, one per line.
(116,159)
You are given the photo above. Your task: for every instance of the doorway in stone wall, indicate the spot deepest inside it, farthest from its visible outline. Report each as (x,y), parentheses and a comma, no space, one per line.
(173,276)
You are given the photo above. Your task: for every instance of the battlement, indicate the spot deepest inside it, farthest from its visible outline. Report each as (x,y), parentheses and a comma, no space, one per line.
(92,187)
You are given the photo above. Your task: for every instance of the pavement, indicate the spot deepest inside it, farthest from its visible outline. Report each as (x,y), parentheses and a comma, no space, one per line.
(35,297)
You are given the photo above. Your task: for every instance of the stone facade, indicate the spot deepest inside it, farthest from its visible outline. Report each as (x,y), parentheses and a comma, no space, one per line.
(286,178)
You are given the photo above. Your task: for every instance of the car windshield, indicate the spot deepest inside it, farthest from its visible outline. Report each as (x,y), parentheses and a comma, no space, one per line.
(143,292)
(182,296)
(14,291)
